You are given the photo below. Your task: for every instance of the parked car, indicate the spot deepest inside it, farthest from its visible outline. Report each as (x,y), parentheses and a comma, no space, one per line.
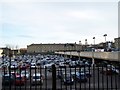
(59,74)
(110,70)
(37,79)
(13,67)
(7,79)
(23,67)
(72,64)
(14,73)
(86,72)
(80,77)
(25,74)
(19,80)
(68,79)
(33,66)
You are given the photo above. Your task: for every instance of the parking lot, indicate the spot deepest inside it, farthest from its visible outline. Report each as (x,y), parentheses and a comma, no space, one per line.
(42,64)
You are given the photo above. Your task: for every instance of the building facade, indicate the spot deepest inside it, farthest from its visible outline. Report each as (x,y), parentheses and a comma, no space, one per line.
(38,48)
(117,43)
(1,51)
(5,51)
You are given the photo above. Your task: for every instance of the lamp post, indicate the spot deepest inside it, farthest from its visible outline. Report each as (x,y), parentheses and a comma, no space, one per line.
(85,48)
(64,52)
(105,35)
(94,41)
(85,41)
(70,49)
(78,51)
(79,42)
(93,61)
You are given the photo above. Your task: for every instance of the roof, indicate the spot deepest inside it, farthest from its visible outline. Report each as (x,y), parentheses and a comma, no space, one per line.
(23,48)
(53,44)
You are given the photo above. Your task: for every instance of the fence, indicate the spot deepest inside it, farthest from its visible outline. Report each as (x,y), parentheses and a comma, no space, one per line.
(61,78)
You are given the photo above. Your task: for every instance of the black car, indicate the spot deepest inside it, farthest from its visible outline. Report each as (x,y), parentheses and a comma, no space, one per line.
(86,72)
(59,74)
(68,80)
(80,77)
(7,79)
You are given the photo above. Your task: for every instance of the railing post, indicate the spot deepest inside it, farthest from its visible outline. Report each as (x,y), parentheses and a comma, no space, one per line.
(53,77)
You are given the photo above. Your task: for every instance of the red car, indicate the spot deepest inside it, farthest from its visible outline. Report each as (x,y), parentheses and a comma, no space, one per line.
(23,67)
(20,80)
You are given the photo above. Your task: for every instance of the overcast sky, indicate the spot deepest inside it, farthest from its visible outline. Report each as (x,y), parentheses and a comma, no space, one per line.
(24,22)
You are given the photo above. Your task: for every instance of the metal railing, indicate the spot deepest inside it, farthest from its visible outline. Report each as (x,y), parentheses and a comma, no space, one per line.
(61,78)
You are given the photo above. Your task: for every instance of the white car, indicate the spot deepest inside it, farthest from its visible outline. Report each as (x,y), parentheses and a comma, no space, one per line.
(13,66)
(33,66)
(37,79)
(48,65)
(25,74)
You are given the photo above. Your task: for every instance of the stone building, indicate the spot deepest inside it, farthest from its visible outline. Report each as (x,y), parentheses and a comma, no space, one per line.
(117,43)
(22,51)
(38,48)
(5,51)
(1,51)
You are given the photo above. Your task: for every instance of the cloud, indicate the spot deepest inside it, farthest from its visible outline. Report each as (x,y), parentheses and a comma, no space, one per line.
(12,1)
(24,36)
(57,22)
(83,15)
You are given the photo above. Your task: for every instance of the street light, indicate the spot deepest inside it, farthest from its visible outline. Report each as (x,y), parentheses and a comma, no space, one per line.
(70,49)
(79,42)
(105,35)
(94,40)
(93,61)
(64,51)
(85,41)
